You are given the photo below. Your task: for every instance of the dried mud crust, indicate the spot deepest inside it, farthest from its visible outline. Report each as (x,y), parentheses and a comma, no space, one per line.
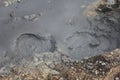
(100,67)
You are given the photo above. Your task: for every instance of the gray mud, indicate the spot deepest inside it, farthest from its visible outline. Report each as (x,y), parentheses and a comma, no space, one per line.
(37,26)
(28,44)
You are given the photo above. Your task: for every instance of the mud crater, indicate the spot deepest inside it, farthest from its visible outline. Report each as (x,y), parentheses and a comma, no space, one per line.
(28,44)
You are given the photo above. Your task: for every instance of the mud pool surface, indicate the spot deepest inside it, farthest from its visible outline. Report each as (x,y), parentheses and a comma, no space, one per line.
(37,26)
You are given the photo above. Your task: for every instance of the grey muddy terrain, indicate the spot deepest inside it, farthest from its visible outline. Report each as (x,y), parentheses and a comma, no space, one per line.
(37,26)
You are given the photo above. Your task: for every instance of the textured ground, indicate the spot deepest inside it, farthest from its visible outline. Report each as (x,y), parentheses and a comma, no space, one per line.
(48,39)
(100,67)
(62,24)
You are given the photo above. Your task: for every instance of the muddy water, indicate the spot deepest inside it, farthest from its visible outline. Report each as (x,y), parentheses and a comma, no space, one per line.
(54,24)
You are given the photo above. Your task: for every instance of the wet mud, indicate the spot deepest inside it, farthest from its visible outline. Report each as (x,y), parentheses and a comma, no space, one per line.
(29,27)
(28,44)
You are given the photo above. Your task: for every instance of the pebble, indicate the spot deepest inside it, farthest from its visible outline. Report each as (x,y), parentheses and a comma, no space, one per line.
(6,4)
(117,78)
(61,78)
(111,53)
(116,50)
(54,72)
(82,61)
(36,59)
(96,72)
(9,2)
(103,63)
(52,66)
(90,66)
(32,17)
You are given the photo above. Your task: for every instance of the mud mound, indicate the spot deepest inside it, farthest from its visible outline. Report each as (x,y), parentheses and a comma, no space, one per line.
(101,35)
(27,44)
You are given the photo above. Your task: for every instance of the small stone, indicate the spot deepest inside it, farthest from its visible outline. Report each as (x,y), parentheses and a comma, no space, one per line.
(54,72)
(55,78)
(82,61)
(111,53)
(103,64)
(96,72)
(32,17)
(116,50)
(72,67)
(9,2)
(26,17)
(6,4)
(61,78)
(51,66)
(90,66)
(117,78)
(36,59)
